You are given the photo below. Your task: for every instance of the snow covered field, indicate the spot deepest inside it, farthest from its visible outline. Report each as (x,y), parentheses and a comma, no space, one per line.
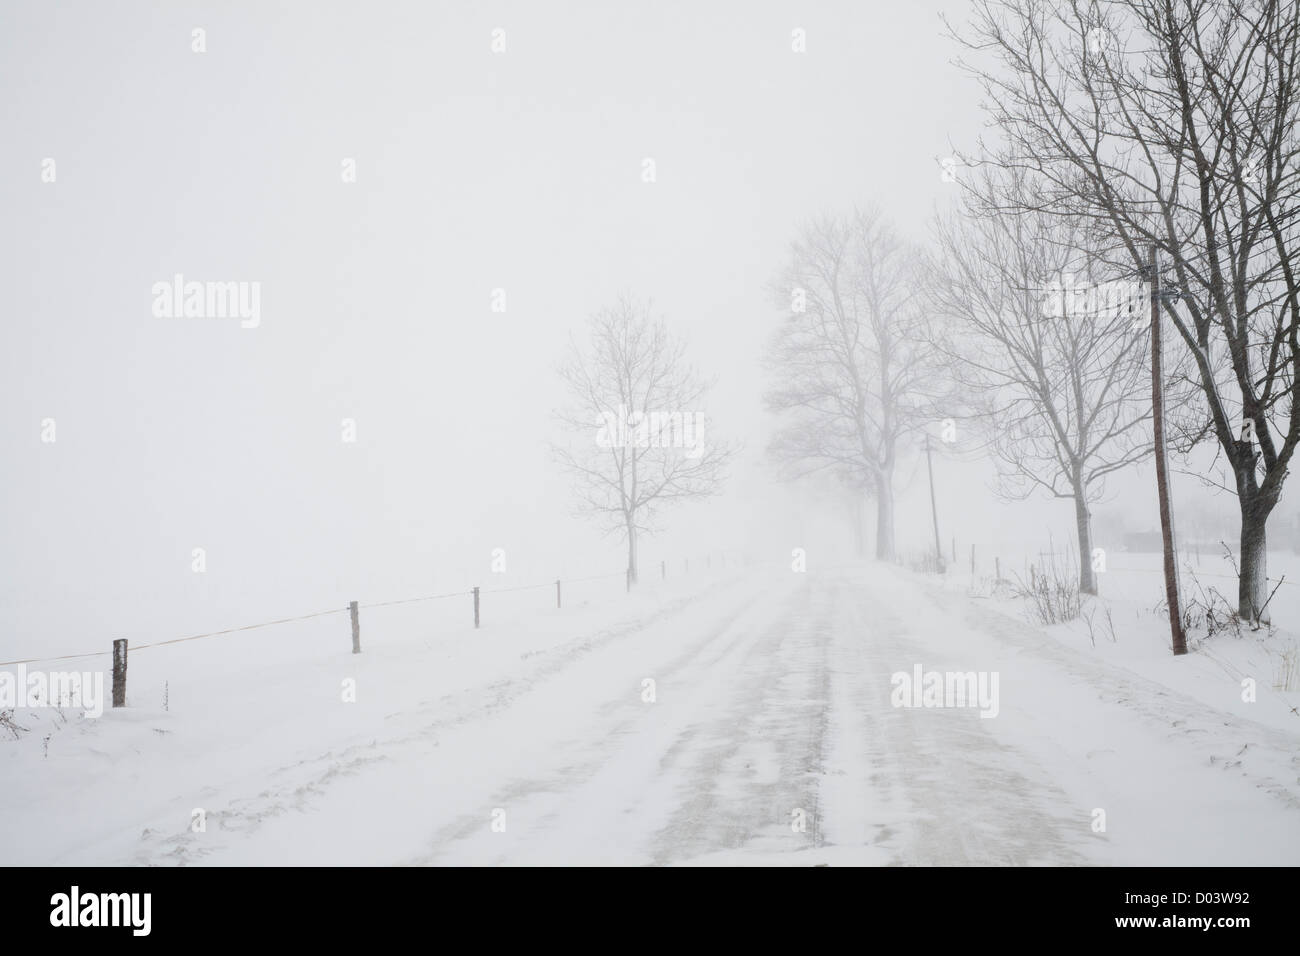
(769,735)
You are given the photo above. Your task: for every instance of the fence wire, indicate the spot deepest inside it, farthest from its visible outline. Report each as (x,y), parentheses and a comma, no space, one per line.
(304,617)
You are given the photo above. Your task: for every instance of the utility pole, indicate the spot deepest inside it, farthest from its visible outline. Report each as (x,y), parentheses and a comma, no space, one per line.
(934,511)
(1162,469)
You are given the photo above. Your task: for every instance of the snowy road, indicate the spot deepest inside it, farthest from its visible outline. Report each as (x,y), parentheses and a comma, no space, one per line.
(771,706)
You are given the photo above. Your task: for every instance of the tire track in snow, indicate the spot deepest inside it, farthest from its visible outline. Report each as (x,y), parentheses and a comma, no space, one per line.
(310,778)
(747,771)
(964,797)
(619,765)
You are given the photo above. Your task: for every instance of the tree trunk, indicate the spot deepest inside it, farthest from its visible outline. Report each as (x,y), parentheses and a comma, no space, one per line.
(884,521)
(1252,588)
(1083,525)
(1256,505)
(859,533)
(631,554)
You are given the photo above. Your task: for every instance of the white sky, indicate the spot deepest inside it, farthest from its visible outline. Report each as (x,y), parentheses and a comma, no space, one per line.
(519,170)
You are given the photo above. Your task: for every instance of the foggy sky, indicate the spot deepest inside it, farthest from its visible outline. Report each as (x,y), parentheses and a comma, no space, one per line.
(476,170)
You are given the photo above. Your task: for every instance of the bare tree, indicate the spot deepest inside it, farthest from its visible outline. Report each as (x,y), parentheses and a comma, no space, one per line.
(1050,356)
(1171,124)
(850,368)
(638,431)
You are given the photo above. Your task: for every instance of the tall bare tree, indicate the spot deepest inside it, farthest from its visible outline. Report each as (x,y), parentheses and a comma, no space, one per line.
(1172,124)
(851,374)
(639,436)
(1049,355)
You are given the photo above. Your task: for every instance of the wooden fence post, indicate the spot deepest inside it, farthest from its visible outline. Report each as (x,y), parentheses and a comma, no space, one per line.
(997,570)
(476,607)
(663,570)
(972,560)
(557,592)
(119,672)
(356,627)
